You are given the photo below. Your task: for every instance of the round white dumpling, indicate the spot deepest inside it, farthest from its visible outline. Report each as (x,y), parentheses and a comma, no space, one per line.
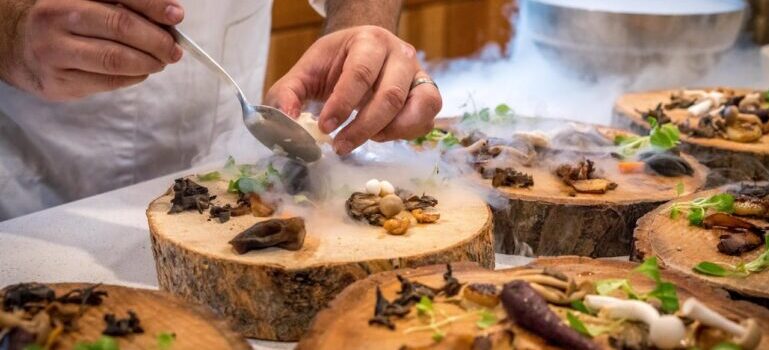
(387,188)
(373,186)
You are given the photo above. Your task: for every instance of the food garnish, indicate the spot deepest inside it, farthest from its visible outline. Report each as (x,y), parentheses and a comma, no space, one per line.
(282,233)
(695,210)
(661,137)
(446,139)
(396,210)
(118,327)
(756,265)
(664,291)
(583,179)
(188,195)
(508,177)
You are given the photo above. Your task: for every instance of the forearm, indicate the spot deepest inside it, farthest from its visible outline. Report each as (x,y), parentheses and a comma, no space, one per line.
(11,11)
(341,14)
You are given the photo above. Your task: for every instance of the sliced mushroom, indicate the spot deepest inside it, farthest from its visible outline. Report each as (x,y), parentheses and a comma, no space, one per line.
(595,186)
(747,336)
(283,233)
(426,216)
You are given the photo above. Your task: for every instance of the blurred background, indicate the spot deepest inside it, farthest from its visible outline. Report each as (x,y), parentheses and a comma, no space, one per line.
(580,53)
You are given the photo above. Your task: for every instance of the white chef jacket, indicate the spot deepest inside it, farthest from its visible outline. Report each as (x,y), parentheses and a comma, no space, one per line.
(51,153)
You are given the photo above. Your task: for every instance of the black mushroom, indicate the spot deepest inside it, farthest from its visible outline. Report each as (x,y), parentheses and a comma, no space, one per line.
(507,177)
(18,295)
(529,310)
(384,310)
(188,195)
(666,164)
(282,233)
(736,236)
(119,327)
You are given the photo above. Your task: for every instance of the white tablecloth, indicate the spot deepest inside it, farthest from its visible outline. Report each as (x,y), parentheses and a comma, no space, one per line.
(98,239)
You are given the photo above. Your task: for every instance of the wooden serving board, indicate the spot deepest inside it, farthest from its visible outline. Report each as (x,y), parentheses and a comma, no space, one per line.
(553,223)
(274,293)
(344,325)
(738,161)
(680,246)
(195,327)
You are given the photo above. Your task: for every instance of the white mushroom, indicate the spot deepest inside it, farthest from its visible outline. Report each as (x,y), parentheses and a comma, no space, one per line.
(751,101)
(665,332)
(748,336)
(700,107)
(387,188)
(373,186)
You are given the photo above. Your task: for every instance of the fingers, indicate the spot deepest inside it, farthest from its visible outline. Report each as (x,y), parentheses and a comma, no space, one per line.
(417,117)
(104,21)
(387,101)
(168,12)
(359,73)
(106,57)
(287,95)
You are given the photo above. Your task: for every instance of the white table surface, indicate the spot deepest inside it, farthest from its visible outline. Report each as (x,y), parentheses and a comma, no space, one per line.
(104,238)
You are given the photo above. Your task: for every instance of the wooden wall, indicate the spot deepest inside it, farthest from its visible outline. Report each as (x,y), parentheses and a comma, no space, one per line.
(440,28)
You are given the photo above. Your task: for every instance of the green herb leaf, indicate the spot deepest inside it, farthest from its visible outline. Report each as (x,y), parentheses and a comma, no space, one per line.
(438,335)
(212,176)
(666,293)
(577,324)
(487,320)
(760,263)
(484,115)
(675,212)
(665,136)
(696,216)
(503,109)
(607,286)
(580,306)
(166,340)
(711,269)
(103,343)
(726,346)
(425,306)
(649,268)
(680,188)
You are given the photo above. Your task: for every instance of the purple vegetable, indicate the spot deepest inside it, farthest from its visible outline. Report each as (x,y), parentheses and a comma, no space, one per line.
(529,310)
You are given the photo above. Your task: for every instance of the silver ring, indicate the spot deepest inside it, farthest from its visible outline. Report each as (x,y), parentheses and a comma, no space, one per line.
(425,80)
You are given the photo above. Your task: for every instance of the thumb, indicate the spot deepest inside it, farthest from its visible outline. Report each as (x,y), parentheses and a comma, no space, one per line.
(286,96)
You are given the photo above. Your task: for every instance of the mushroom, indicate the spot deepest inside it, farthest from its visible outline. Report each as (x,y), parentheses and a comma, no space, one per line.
(485,294)
(374,187)
(700,108)
(749,208)
(426,216)
(751,101)
(397,225)
(386,188)
(259,208)
(283,233)
(476,146)
(390,205)
(747,336)
(665,332)
(535,138)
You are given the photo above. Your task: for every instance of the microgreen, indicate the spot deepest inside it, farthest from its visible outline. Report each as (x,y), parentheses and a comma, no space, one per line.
(212,176)
(165,340)
(487,320)
(103,343)
(697,208)
(446,139)
(580,306)
(663,291)
(662,137)
(743,269)
(501,114)
(248,183)
(429,315)
(588,329)
(680,188)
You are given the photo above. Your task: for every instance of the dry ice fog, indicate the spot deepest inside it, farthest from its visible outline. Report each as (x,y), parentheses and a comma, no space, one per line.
(531,83)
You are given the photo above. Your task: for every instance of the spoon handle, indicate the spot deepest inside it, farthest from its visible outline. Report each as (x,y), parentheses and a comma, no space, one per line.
(203,57)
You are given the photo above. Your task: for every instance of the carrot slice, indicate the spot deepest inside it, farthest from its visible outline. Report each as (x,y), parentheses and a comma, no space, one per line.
(631,167)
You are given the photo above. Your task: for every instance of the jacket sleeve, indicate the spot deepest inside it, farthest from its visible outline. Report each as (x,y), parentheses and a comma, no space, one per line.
(319,6)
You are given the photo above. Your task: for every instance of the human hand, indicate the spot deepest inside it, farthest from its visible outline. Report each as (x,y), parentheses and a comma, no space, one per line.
(68,49)
(365,68)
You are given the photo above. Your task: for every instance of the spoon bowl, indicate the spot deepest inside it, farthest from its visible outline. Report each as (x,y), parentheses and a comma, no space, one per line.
(269,125)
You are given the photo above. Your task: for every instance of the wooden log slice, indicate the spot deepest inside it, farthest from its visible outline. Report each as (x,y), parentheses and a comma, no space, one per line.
(732,161)
(274,293)
(195,326)
(551,222)
(680,246)
(344,324)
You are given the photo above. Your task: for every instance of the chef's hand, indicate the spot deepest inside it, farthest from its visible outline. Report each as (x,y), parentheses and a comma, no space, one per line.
(365,68)
(68,49)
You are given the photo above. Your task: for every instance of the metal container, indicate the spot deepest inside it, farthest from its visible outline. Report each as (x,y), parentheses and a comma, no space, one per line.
(625,36)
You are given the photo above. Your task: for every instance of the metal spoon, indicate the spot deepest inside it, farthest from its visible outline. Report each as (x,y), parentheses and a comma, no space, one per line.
(269,125)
